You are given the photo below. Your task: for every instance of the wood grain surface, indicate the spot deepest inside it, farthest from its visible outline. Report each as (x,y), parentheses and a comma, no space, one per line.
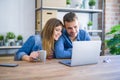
(52,70)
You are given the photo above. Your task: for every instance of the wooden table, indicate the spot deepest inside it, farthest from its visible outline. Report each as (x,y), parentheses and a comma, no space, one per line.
(52,70)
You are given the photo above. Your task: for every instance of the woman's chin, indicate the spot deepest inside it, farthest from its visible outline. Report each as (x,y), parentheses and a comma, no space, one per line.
(56,39)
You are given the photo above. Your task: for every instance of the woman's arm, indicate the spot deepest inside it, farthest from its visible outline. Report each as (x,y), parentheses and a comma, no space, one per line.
(26,49)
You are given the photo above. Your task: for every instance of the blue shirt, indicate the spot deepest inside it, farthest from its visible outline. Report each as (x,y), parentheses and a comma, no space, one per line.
(32,44)
(63,47)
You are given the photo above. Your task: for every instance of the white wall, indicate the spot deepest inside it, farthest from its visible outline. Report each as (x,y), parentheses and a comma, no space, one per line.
(17,16)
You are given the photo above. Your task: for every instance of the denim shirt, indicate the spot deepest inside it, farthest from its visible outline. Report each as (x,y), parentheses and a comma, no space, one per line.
(32,44)
(63,47)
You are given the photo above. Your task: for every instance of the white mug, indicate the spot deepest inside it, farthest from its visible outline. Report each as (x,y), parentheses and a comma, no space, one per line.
(43,55)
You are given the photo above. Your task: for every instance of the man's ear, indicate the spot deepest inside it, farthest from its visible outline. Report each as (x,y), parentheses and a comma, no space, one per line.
(78,23)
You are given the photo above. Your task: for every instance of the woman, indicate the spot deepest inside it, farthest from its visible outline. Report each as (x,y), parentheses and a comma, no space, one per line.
(50,33)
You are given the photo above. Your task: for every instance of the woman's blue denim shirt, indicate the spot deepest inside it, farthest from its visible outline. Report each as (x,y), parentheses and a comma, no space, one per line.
(32,44)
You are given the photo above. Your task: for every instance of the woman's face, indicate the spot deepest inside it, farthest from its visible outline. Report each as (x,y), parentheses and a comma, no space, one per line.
(57,32)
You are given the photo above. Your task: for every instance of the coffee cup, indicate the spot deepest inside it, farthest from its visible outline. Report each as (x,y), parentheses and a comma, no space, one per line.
(42,55)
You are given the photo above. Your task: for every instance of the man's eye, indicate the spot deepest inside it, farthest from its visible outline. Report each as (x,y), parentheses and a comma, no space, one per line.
(69,28)
(75,26)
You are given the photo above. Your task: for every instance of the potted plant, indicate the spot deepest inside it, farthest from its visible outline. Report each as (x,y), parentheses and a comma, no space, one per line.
(113,44)
(20,39)
(92,4)
(11,38)
(89,24)
(6,42)
(1,40)
(10,35)
(68,2)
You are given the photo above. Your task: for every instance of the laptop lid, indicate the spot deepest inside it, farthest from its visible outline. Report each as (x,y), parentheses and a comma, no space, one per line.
(85,52)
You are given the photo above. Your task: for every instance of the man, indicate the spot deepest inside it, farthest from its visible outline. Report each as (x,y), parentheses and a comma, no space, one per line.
(63,47)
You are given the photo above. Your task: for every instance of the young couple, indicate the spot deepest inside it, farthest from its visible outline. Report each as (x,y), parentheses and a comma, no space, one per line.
(51,40)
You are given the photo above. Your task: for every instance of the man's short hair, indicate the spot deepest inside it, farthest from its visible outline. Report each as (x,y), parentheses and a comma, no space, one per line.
(69,17)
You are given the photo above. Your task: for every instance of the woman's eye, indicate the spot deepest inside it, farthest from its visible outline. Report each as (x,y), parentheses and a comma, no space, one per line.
(57,29)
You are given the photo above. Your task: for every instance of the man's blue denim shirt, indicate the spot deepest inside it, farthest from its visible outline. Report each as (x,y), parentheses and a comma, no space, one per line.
(32,44)
(63,47)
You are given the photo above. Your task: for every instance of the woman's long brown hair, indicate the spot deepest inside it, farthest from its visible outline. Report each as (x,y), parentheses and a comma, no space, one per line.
(47,35)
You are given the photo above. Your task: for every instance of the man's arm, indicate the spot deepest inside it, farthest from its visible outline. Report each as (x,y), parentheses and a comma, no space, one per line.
(60,51)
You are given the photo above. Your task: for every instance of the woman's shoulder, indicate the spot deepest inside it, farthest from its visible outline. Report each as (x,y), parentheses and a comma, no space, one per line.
(35,37)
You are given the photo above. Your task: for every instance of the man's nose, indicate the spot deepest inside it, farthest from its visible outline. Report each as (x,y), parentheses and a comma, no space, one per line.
(73,30)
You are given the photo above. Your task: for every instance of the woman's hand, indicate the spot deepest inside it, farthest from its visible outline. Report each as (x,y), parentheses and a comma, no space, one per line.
(34,55)
(27,58)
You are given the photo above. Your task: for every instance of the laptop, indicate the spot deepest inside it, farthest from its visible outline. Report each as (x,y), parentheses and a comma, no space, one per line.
(84,53)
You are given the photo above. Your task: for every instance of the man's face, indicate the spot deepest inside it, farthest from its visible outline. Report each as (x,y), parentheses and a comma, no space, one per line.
(72,28)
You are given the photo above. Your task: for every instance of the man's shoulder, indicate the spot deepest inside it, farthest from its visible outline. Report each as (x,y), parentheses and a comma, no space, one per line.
(81,31)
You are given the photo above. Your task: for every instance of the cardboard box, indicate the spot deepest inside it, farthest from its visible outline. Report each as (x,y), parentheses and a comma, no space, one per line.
(46,15)
(51,3)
